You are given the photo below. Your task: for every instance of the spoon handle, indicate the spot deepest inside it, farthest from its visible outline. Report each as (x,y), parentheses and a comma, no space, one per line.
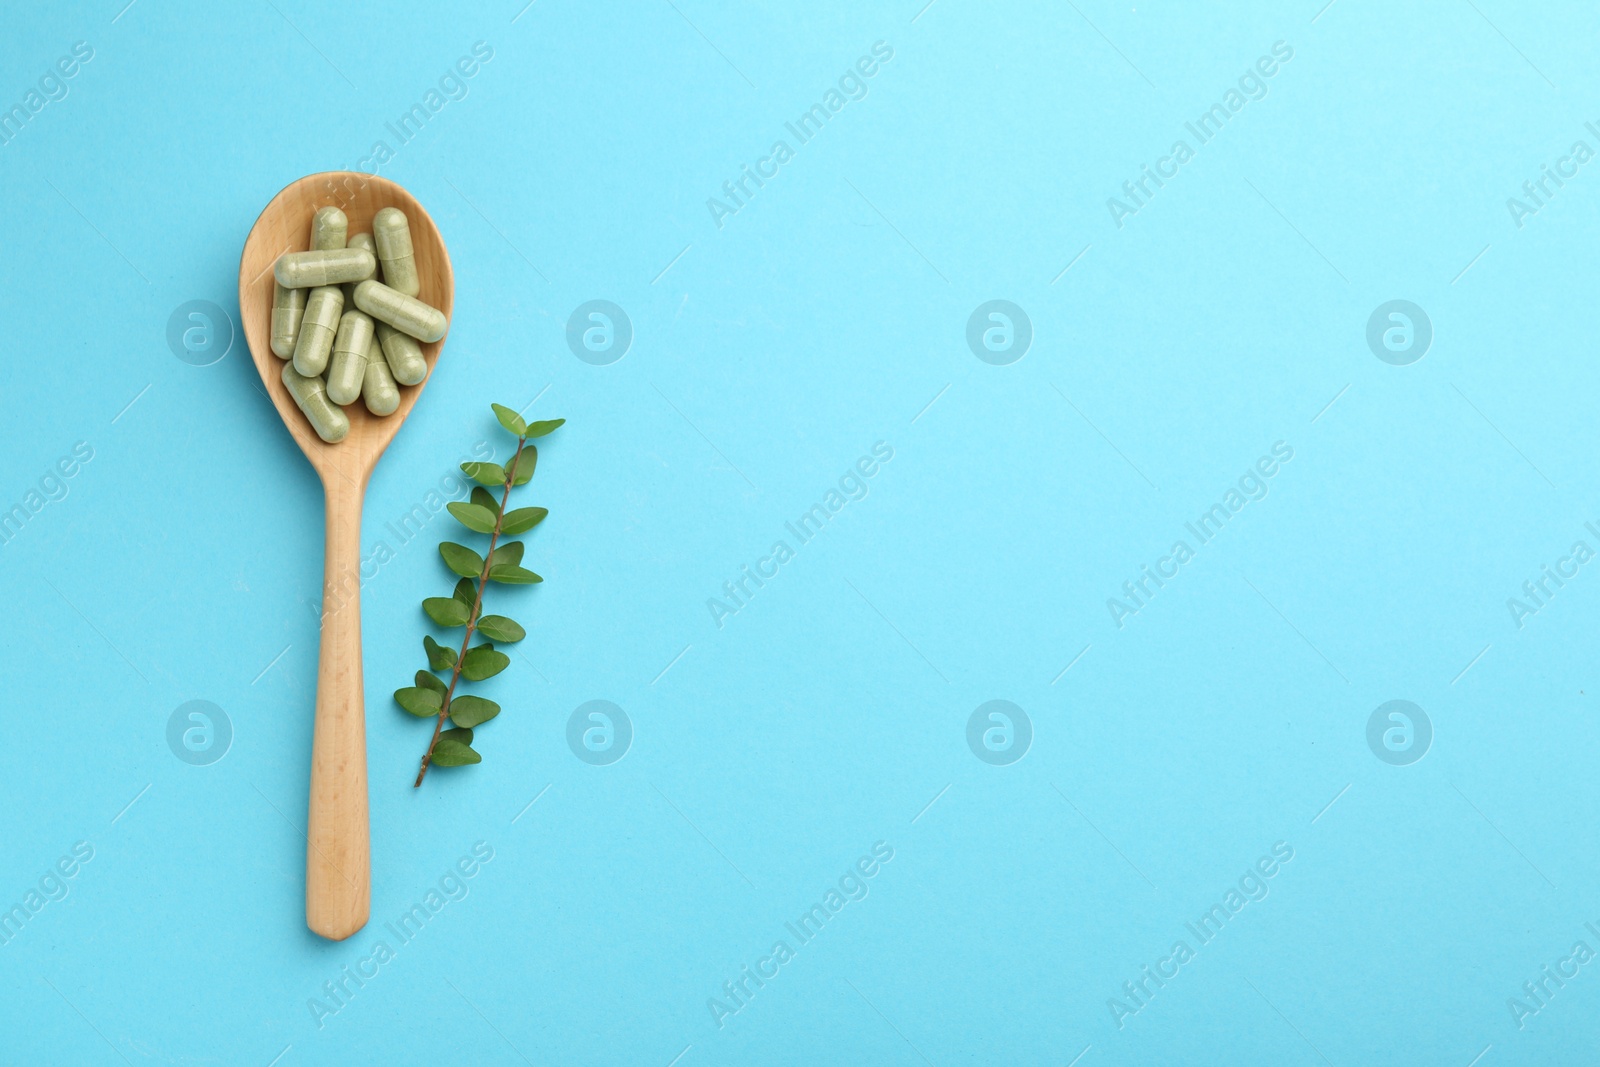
(338,850)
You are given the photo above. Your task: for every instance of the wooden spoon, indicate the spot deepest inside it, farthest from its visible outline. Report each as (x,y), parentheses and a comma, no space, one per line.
(338,859)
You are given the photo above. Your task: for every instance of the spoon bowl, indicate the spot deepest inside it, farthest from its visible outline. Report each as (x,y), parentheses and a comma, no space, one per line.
(338,860)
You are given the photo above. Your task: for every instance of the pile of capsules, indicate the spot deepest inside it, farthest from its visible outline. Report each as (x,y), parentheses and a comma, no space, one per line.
(336,356)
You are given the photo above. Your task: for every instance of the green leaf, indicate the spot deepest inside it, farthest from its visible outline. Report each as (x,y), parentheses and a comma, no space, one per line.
(467,591)
(420,701)
(500,628)
(429,681)
(460,733)
(485,473)
(472,711)
(484,499)
(510,552)
(539,429)
(522,520)
(439,657)
(473,517)
(511,575)
(510,419)
(453,753)
(483,662)
(526,460)
(446,610)
(461,559)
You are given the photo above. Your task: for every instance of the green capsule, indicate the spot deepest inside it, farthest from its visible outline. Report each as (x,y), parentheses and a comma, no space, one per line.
(393,235)
(405,313)
(328,227)
(330,422)
(317,328)
(288,307)
(347,368)
(403,354)
(378,390)
(305,270)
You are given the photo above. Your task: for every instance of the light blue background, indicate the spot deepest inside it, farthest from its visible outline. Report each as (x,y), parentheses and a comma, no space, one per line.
(1229,714)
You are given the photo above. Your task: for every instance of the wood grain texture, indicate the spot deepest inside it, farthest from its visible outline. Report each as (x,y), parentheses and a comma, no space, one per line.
(338,861)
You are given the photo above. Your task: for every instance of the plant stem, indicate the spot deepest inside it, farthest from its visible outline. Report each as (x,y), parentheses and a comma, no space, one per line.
(472,616)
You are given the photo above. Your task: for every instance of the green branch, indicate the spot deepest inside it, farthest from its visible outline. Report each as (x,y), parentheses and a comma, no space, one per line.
(431,696)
